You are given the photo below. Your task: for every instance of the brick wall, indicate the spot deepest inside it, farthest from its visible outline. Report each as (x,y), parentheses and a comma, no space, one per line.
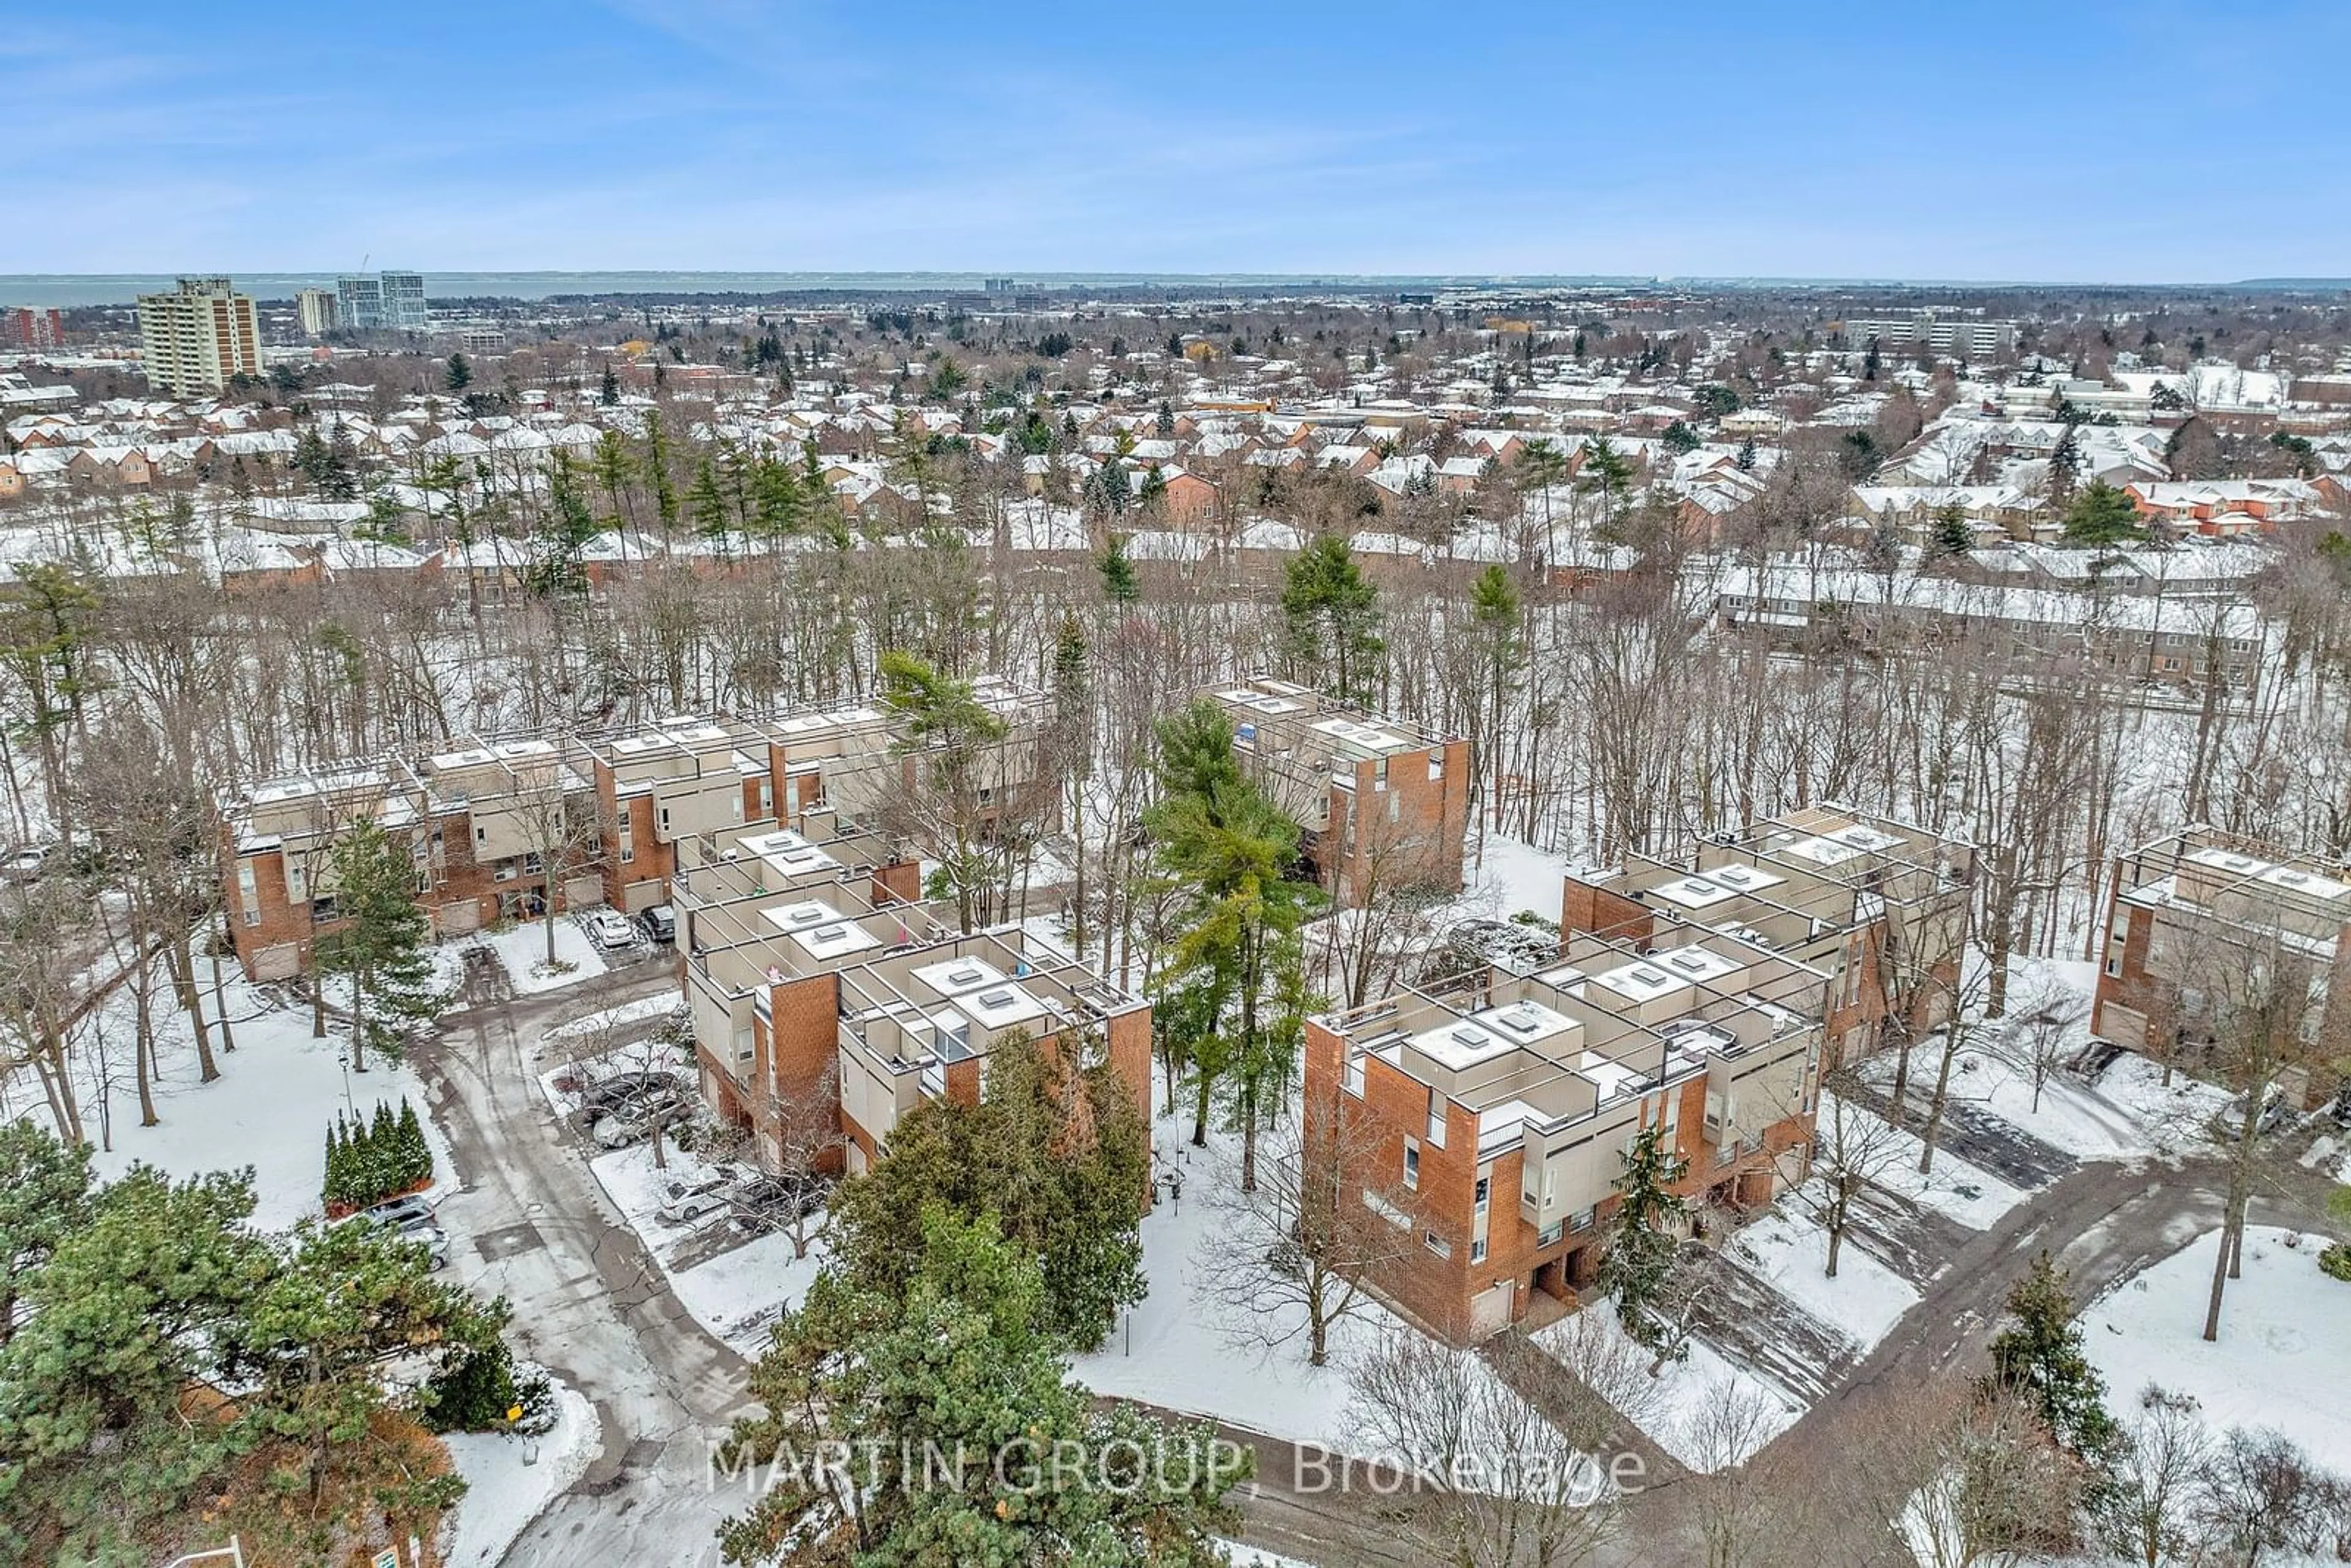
(1586,906)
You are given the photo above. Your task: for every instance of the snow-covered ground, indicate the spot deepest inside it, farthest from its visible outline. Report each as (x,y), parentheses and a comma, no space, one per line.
(1172,1350)
(2284,1357)
(1790,1251)
(503,1493)
(1511,877)
(270,1108)
(1706,1410)
(2128,1113)
(590,1025)
(1244,1556)
(522,948)
(1955,1188)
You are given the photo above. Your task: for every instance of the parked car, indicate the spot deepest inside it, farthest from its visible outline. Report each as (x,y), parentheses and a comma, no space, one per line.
(610,929)
(607,1094)
(411,1209)
(435,1240)
(29,863)
(627,1123)
(659,922)
(693,1208)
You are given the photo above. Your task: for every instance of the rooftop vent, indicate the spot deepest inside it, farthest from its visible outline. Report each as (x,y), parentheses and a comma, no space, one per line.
(1651,977)
(997,999)
(964,976)
(1469,1037)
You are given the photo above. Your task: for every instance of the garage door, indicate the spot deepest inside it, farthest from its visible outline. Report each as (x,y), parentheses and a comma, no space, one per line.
(1489,1310)
(2123,1026)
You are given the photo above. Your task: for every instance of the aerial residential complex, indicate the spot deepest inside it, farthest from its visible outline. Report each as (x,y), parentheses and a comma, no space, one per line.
(507,826)
(1381,803)
(2195,912)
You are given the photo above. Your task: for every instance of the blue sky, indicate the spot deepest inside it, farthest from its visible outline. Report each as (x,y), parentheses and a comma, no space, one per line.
(2062,139)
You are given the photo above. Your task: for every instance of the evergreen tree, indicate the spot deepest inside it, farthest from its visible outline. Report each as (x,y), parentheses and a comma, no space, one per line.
(2101,515)
(607,392)
(1641,1241)
(1118,573)
(1166,423)
(706,503)
(1747,455)
(1606,473)
(1218,835)
(380,939)
(415,1153)
(1154,495)
(45,1196)
(1330,619)
(1954,535)
(964,1361)
(1679,438)
(2040,1357)
(459,375)
(1057,1153)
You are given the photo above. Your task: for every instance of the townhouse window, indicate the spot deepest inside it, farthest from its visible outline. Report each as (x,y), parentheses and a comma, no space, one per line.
(253,915)
(532,864)
(1354,1079)
(503,871)
(1485,1192)
(628,838)
(2113,967)
(322,910)
(1435,766)
(767,798)
(1395,808)
(423,879)
(1412,1161)
(1580,1220)
(662,814)
(1550,1234)
(1436,1119)
(1436,1244)
(1478,1250)
(481,834)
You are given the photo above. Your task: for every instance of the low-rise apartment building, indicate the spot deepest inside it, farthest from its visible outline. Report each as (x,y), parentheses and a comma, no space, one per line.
(2195,909)
(1381,803)
(483,823)
(827,1001)
(609,810)
(1879,906)
(1488,1116)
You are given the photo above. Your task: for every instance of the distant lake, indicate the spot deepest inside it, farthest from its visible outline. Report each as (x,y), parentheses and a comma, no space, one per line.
(62,290)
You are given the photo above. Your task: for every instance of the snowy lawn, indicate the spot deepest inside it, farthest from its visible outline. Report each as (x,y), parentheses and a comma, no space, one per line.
(592,1024)
(270,1108)
(1974,1197)
(1171,1351)
(2284,1357)
(1790,1251)
(2127,1114)
(1707,1411)
(1244,1556)
(523,951)
(1512,876)
(504,1494)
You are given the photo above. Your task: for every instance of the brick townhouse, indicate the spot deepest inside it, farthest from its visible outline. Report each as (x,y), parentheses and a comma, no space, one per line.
(1382,803)
(1488,1116)
(477,815)
(2196,905)
(1879,906)
(815,980)
(477,820)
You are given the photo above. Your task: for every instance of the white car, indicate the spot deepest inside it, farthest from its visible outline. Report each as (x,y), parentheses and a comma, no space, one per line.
(693,1208)
(608,930)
